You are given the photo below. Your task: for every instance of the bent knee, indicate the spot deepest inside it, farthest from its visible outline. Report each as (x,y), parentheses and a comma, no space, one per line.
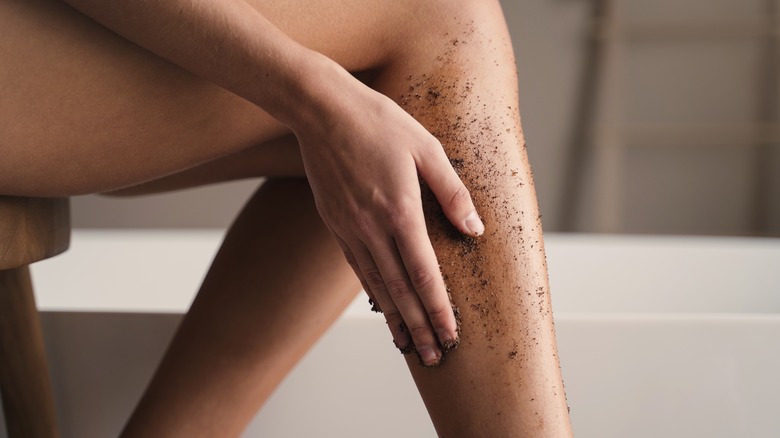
(426,24)
(447,36)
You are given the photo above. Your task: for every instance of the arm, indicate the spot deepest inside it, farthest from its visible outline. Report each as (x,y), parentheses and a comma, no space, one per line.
(366,187)
(226,42)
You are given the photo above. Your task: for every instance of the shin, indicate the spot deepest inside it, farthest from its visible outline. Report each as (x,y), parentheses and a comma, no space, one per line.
(504,380)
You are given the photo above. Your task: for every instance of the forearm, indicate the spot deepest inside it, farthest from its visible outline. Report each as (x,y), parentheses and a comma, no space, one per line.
(226,42)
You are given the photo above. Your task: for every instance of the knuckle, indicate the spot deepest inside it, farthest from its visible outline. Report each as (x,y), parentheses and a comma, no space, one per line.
(393,318)
(432,146)
(400,214)
(434,143)
(398,289)
(419,331)
(439,316)
(396,220)
(373,279)
(460,199)
(363,223)
(422,279)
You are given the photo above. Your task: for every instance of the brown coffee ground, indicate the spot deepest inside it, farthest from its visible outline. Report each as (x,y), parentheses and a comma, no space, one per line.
(497,279)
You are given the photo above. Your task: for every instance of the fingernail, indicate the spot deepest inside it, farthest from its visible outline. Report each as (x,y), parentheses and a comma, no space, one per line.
(404,350)
(448,342)
(428,356)
(474,224)
(444,335)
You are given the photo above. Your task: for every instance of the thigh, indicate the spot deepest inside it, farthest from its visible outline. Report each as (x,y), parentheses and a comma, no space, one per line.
(83,110)
(276,158)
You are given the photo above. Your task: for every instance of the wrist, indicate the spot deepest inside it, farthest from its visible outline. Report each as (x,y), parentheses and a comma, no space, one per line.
(318,87)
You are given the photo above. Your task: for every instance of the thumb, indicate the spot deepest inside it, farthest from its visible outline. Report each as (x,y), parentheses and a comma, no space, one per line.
(452,194)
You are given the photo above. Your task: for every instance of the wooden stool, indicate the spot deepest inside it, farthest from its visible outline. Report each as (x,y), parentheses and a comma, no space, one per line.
(31,229)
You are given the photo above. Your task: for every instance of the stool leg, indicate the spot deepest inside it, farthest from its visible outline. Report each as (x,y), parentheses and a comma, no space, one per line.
(28,402)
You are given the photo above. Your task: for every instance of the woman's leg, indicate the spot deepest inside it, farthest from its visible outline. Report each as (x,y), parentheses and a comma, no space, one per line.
(90,112)
(276,158)
(83,110)
(504,379)
(278,282)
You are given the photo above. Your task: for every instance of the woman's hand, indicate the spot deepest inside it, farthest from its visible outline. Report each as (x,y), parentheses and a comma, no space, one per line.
(362,158)
(361,151)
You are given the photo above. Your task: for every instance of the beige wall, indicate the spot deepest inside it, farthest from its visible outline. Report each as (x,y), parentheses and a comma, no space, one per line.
(697,185)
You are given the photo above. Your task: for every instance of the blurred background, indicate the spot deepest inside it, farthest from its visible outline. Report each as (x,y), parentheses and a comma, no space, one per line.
(641,117)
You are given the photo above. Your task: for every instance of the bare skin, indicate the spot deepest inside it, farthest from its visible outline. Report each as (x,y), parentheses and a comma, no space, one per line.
(252,320)
(451,68)
(366,192)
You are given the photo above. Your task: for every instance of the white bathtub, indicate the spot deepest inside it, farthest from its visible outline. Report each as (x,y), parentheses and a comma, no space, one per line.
(659,337)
